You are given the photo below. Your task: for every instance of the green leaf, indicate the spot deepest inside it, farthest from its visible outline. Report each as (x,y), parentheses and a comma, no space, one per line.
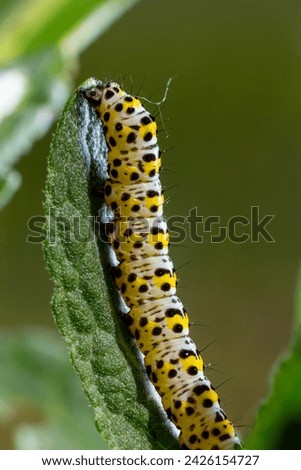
(85,303)
(32,93)
(41,402)
(38,57)
(51,22)
(278,423)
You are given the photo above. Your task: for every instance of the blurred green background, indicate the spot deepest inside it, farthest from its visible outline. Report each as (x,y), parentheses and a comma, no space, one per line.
(234,124)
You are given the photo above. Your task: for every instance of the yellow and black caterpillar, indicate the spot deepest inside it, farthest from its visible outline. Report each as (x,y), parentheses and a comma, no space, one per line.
(145,274)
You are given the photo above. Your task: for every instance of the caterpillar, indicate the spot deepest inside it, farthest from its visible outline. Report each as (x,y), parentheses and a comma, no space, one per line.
(145,275)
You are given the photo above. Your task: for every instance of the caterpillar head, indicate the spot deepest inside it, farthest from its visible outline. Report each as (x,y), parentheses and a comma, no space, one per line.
(93,95)
(103,94)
